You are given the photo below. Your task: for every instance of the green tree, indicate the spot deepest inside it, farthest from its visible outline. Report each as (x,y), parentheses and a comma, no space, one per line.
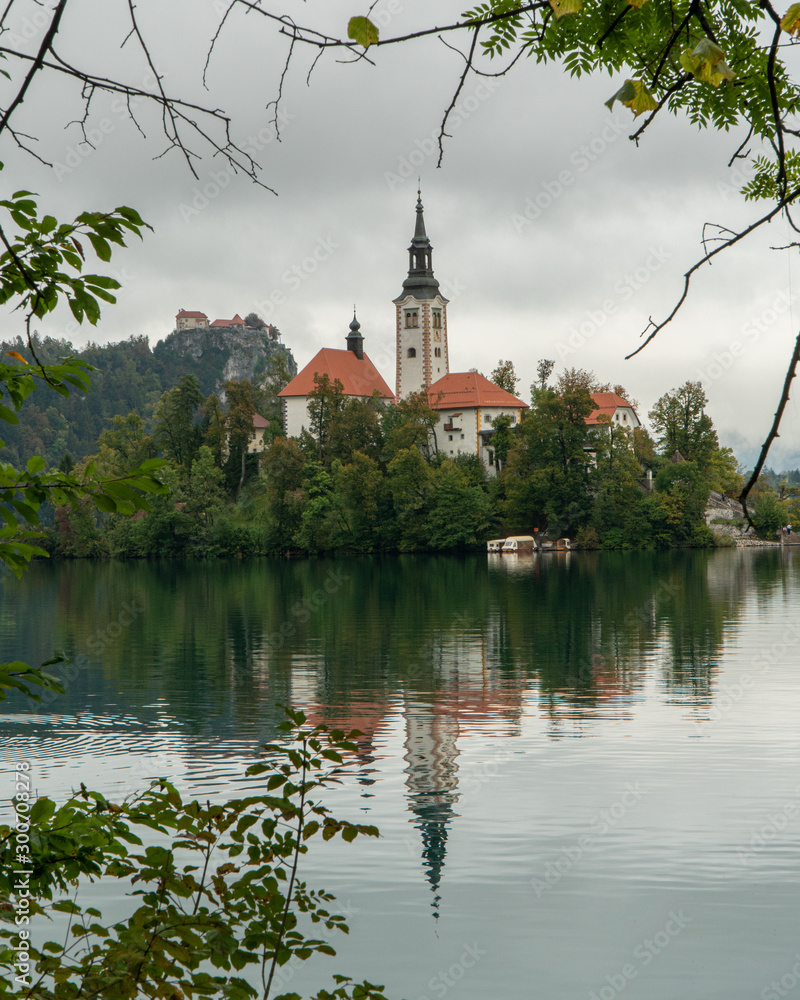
(409,482)
(505,376)
(359,498)
(459,513)
(680,420)
(203,494)
(283,467)
(124,445)
(501,439)
(411,423)
(356,427)
(325,401)
(177,431)
(239,426)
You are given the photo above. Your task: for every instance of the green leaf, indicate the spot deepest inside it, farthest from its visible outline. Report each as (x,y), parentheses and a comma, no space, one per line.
(362,31)
(8,415)
(35,464)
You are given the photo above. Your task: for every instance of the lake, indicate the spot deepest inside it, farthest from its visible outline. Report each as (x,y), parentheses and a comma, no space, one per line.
(585,766)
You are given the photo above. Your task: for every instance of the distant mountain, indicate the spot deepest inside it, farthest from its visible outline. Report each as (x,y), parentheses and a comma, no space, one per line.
(131,376)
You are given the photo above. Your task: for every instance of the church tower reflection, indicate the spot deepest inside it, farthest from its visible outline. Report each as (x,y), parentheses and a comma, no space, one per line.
(432,782)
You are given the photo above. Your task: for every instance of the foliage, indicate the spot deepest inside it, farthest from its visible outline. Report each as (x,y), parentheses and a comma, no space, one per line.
(680,419)
(43,264)
(215,888)
(505,376)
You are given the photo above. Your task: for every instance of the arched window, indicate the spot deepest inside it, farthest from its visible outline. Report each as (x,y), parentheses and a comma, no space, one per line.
(412,352)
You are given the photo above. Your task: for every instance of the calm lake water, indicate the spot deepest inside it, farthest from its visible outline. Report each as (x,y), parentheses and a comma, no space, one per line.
(585,767)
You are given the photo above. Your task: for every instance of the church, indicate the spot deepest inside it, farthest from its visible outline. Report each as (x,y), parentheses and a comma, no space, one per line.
(467,402)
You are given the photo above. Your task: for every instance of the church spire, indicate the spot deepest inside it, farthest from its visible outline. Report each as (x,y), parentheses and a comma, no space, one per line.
(355,341)
(420,281)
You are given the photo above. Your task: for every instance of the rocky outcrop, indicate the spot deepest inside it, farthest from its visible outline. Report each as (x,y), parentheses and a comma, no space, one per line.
(220,354)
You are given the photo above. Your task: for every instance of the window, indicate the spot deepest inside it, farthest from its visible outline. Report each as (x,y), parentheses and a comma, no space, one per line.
(412,352)
(437,352)
(625,418)
(437,319)
(412,318)
(487,418)
(462,437)
(513,418)
(491,457)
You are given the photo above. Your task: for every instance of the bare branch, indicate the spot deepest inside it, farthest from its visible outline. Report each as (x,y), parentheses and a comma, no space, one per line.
(773,432)
(37,62)
(653,329)
(467,65)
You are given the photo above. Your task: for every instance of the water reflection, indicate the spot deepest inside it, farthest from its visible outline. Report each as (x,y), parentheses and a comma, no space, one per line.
(194,658)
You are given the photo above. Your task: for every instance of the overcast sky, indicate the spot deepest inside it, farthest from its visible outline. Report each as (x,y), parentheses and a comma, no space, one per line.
(554,236)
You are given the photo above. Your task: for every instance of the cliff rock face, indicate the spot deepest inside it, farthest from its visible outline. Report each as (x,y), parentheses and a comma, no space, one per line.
(222,354)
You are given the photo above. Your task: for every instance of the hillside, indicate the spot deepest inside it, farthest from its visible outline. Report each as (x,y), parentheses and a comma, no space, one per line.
(131,376)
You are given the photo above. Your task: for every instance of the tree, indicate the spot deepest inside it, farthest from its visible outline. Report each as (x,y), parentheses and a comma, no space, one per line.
(325,400)
(501,439)
(680,419)
(239,424)
(505,376)
(177,431)
(124,445)
(544,369)
(254,321)
(411,423)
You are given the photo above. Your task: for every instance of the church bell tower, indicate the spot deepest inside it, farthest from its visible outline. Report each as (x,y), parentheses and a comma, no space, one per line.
(422,355)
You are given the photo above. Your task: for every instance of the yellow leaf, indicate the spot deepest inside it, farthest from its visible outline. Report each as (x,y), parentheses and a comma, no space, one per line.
(636,3)
(562,7)
(706,63)
(17,355)
(634,95)
(790,22)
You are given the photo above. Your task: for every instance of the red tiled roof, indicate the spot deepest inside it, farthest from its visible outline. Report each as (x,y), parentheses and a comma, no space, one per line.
(259,422)
(359,377)
(236,321)
(606,403)
(469,389)
(183,314)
